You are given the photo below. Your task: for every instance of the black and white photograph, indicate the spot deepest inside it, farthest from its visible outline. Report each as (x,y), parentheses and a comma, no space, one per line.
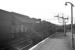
(37,25)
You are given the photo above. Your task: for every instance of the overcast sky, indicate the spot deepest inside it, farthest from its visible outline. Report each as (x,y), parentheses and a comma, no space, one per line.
(44,9)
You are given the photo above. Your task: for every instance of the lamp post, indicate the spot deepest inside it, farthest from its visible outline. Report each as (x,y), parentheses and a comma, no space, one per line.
(71,21)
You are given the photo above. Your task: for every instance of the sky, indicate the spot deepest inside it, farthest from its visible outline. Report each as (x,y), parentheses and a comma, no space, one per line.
(43,9)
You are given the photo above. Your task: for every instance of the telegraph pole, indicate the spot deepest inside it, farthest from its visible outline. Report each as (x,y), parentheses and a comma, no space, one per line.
(71,21)
(64,22)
